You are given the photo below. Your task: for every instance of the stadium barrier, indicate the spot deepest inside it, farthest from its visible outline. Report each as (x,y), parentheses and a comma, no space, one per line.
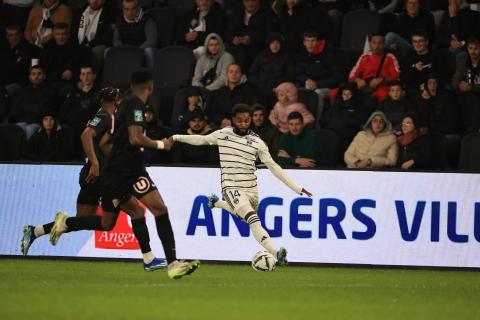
(354,217)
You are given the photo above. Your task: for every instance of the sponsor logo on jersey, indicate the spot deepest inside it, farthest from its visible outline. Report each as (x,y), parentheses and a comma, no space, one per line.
(138,115)
(94,122)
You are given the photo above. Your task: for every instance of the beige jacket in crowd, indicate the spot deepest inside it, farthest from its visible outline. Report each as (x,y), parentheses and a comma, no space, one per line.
(381,149)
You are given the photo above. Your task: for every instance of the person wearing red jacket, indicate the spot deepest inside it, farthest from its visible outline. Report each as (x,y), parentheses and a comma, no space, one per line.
(374,69)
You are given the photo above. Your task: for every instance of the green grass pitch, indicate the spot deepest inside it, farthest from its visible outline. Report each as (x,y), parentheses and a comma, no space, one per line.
(59,289)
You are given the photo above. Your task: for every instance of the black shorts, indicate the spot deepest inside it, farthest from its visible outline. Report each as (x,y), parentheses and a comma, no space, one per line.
(90,193)
(118,188)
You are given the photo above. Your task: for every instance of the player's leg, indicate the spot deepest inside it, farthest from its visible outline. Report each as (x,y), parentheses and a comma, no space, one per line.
(244,203)
(146,191)
(87,202)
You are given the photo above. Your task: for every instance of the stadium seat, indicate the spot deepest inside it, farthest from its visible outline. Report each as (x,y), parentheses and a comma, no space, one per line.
(327,144)
(120,63)
(173,70)
(346,59)
(12,141)
(180,100)
(469,159)
(357,25)
(310,99)
(165,19)
(336,17)
(438,144)
(239,56)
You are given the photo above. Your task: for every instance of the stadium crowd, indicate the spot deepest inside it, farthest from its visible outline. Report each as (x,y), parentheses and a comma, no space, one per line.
(322,93)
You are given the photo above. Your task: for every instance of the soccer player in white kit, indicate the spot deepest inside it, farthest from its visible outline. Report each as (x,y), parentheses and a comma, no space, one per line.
(239,148)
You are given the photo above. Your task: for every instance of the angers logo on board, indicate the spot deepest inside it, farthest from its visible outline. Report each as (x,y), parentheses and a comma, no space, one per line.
(120,237)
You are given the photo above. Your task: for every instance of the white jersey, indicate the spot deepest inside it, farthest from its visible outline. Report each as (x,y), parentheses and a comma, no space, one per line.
(238,155)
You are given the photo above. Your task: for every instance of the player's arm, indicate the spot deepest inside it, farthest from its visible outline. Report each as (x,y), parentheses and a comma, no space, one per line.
(137,138)
(87,143)
(278,172)
(196,140)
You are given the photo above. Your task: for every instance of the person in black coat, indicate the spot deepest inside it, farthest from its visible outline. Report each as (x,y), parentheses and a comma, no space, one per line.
(462,23)
(51,142)
(414,147)
(235,91)
(95,30)
(33,100)
(205,17)
(396,106)
(16,58)
(248,26)
(298,16)
(413,18)
(184,153)
(270,68)
(346,116)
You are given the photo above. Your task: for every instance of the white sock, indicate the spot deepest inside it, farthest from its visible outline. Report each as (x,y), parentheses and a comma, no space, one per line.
(148,257)
(260,234)
(38,231)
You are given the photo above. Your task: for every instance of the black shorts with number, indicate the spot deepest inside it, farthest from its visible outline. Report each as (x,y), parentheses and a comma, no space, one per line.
(90,193)
(118,188)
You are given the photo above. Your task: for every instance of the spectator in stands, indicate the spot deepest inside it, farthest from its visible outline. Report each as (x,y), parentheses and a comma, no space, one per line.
(401,31)
(262,126)
(373,147)
(189,154)
(420,62)
(205,18)
(15,12)
(298,16)
(396,106)
(136,28)
(35,98)
(236,90)
(80,105)
(194,102)
(316,68)
(414,147)
(51,142)
(437,109)
(298,146)
(39,30)
(95,30)
(463,23)
(270,68)
(16,59)
(287,102)
(466,81)
(61,59)
(346,116)
(248,26)
(374,69)
(211,66)
(155,132)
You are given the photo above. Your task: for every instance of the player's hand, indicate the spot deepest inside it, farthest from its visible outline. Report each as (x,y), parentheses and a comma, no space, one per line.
(305,162)
(168,143)
(93,173)
(305,191)
(283,154)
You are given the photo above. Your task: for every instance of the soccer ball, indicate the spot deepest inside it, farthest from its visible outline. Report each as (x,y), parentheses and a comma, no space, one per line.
(263,261)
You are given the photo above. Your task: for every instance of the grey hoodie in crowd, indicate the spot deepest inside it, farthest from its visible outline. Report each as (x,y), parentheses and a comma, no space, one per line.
(207,61)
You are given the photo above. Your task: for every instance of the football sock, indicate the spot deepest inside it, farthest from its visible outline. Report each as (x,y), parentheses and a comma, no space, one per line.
(260,234)
(47,227)
(84,223)
(39,231)
(148,257)
(165,233)
(140,230)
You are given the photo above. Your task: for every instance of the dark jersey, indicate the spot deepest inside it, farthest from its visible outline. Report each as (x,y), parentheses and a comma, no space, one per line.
(101,122)
(127,158)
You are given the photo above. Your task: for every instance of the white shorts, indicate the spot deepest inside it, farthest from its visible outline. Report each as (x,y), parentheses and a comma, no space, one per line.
(242,201)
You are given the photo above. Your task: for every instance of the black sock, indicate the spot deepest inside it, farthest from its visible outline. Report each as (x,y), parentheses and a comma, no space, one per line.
(47,227)
(140,230)
(84,223)
(165,233)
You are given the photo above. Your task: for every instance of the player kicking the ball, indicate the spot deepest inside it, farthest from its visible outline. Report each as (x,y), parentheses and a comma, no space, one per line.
(238,148)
